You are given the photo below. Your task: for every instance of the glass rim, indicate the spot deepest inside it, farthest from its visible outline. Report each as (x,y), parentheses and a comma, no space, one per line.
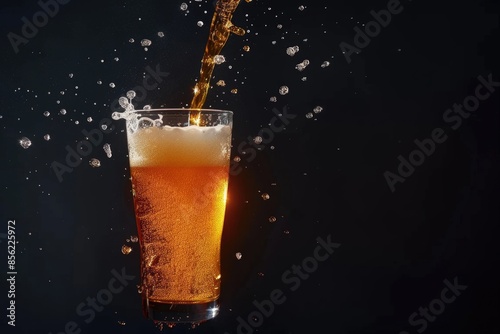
(183,110)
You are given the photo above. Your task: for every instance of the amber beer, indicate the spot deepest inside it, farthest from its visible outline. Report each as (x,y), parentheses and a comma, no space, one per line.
(179,174)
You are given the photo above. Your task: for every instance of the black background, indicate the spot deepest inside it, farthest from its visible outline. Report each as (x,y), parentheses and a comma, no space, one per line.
(324,175)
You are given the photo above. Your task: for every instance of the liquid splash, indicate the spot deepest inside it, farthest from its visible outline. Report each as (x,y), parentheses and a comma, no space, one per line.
(221,28)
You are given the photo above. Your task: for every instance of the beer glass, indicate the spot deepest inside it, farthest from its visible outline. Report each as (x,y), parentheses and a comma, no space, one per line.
(179,173)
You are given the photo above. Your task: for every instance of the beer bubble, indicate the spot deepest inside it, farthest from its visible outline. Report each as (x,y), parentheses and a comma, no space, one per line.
(94,163)
(318,109)
(184,6)
(292,50)
(46,137)
(272,219)
(257,140)
(219,59)
(146,42)
(239,256)
(25,142)
(265,196)
(284,90)
(199,23)
(126,249)
(63,111)
(107,150)
(46,113)
(301,66)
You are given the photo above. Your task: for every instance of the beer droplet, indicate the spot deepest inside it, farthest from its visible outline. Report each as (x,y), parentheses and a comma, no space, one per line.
(184,6)
(131,40)
(318,109)
(325,64)
(292,50)
(284,90)
(301,8)
(236,159)
(146,42)
(272,219)
(221,83)
(161,34)
(199,23)
(25,142)
(234,91)
(239,255)
(89,119)
(46,137)
(46,114)
(309,115)
(301,66)
(94,163)
(121,323)
(246,48)
(107,150)
(219,59)
(257,140)
(126,249)
(265,196)
(63,111)
(131,94)
(273,99)
(134,238)
(112,85)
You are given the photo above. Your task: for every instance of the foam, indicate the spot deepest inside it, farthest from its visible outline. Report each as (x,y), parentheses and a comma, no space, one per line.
(180,146)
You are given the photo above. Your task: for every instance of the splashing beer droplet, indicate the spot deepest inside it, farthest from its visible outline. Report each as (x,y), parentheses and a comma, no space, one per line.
(292,50)
(25,142)
(94,163)
(219,59)
(284,90)
(272,219)
(63,111)
(265,196)
(239,255)
(107,150)
(146,42)
(134,238)
(46,137)
(126,249)
(318,109)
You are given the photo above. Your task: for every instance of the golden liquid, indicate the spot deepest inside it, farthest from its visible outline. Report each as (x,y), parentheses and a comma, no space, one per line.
(221,28)
(180,215)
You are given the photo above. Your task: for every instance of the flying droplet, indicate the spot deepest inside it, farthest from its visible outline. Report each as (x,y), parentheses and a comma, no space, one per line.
(131,40)
(219,59)
(126,249)
(292,50)
(221,83)
(131,94)
(46,137)
(161,34)
(107,150)
(25,142)
(94,163)
(265,196)
(184,6)
(134,238)
(46,114)
(318,109)
(284,90)
(199,23)
(236,159)
(325,64)
(257,140)
(272,219)
(63,111)
(246,48)
(146,42)
(239,256)
(301,66)
(234,91)
(112,85)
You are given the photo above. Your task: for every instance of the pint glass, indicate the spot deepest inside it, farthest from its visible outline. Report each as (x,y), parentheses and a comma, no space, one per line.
(179,174)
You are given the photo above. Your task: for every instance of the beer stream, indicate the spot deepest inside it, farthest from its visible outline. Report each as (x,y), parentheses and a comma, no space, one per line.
(221,28)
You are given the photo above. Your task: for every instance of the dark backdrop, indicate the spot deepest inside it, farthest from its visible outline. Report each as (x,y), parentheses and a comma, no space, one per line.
(396,250)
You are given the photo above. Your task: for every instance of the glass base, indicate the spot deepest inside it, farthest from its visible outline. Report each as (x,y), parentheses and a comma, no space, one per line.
(180,313)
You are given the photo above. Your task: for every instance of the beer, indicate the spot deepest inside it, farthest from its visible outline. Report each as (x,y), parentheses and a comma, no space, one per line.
(180,178)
